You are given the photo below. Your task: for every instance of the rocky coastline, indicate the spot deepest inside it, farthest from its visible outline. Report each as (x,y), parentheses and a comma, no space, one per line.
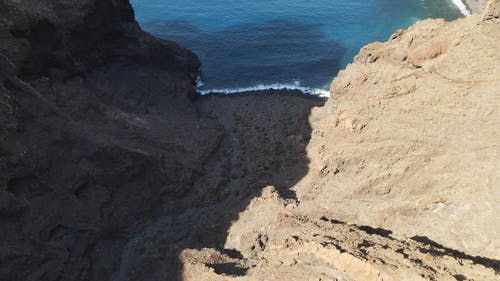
(476,6)
(113,166)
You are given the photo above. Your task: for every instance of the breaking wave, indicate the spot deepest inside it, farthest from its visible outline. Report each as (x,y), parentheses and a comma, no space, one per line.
(462,7)
(261,87)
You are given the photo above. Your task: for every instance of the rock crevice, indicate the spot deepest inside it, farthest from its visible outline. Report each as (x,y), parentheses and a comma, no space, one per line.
(112,167)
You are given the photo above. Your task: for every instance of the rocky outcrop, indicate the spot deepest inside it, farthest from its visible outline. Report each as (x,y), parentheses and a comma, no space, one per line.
(412,135)
(103,137)
(50,38)
(96,135)
(280,244)
(265,136)
(493,11)
(403,179)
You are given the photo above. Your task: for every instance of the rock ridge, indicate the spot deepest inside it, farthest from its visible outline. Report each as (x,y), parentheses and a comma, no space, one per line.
(403,175)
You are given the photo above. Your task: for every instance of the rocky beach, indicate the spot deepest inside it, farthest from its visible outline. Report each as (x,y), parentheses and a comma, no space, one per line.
(114,167)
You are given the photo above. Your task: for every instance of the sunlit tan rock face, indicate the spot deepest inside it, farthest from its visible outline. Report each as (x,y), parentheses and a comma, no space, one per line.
(410,140)
(404,178)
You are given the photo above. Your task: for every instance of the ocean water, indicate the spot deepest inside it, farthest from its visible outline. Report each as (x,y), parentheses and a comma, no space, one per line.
(262,43)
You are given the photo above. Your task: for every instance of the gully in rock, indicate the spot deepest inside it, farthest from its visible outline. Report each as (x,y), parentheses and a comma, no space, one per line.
(115,166)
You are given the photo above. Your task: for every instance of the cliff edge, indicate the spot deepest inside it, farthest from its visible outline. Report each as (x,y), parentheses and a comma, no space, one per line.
(411,132)
(103,138)
(404,177)
(95,115)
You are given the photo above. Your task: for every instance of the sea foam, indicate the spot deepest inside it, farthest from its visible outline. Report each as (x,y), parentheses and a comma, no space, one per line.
(462,7)
(262,87)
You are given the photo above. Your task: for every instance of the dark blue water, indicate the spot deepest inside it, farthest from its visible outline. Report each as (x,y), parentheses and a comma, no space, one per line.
(247,43)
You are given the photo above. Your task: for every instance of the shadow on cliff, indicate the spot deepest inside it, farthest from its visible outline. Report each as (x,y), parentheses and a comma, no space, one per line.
(108,168)
(264,140)
(245,55)
(266,135)
(256,139)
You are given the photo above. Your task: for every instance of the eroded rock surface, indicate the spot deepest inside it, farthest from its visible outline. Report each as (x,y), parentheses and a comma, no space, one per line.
(410,142)
(113,168)
(97,133)
(403,182)
(279,244)
(103,138)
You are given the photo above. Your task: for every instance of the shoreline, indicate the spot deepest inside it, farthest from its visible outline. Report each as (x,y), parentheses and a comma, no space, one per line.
(263,88)
(468,7)
(464,8)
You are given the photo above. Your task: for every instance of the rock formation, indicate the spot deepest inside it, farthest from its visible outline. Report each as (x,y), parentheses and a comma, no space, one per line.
(102,132)
(403,180)
(413,135)
(95,136)
(112,167)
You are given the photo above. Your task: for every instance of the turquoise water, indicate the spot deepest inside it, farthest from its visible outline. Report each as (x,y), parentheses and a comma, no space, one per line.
(247,43)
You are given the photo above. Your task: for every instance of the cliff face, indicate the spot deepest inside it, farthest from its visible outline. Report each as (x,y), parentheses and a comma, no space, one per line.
(67,37)
(95,119)
(113,168)
(103,137)
(404,173)
(413,135)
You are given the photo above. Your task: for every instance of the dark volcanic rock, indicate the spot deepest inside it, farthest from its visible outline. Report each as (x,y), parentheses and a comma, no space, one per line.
(100,133)
(48,36)
(97,132)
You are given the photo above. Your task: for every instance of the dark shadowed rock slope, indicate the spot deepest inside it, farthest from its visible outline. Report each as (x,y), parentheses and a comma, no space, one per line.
(100,134)
(96,132)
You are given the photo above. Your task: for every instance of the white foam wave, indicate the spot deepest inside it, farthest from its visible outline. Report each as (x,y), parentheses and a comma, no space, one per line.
(462,7)
(275,86)
(199,82)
